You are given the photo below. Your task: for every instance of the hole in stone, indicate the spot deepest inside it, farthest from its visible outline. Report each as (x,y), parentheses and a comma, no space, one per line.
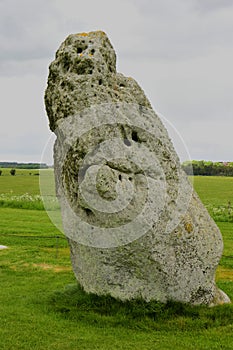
(92,51)
(88,211)
(127,142)
(122,85)
(120,177)
(91,71)
(135,136)
(100,82)
(79,50)
(130,179)
(92,85)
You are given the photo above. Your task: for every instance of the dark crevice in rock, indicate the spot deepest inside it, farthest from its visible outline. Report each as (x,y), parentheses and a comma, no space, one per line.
(88,211)
(135,136)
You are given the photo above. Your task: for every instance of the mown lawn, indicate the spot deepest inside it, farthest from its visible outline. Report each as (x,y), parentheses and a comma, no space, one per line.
(42,307)
(214,190)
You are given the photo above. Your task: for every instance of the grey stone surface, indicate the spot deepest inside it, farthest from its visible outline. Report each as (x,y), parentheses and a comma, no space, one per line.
(134,224)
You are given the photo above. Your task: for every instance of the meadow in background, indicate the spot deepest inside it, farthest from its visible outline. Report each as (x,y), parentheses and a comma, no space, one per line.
(42,307)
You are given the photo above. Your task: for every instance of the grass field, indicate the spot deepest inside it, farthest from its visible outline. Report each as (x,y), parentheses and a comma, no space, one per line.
(21,183)
(42,307)
(217,195)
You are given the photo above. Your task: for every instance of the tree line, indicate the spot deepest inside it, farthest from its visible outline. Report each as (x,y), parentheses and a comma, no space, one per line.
(16,165)
(208,168)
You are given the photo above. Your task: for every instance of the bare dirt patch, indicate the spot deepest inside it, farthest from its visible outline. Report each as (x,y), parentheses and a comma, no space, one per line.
(54,268)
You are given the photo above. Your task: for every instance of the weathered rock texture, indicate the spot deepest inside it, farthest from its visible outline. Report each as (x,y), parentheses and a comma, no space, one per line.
(177,255)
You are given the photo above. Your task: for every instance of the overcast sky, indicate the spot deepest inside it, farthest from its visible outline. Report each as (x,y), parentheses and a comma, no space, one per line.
(179,51)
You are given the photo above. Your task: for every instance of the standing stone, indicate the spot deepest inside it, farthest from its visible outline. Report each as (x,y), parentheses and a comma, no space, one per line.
(134,224)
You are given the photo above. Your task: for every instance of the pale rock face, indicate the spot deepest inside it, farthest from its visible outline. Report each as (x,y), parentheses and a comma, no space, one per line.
(134,225)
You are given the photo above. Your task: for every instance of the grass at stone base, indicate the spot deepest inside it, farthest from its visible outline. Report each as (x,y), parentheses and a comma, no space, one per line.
(42,307)
(34,315)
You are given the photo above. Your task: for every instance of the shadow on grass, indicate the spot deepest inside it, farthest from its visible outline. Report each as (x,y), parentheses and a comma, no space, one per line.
(74,304)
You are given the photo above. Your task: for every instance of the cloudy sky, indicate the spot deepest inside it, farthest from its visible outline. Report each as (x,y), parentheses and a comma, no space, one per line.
(179,51)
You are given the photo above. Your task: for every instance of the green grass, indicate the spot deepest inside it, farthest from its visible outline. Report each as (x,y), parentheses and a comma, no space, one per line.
(214,190)
(21,183)
(24,201)
(19,221)
(217,195)
(26,191)
(42,307)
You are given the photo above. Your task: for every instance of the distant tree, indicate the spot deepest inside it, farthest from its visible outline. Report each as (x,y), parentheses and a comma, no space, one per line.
(208,168)
(16,165)
(12,172)
(0,172)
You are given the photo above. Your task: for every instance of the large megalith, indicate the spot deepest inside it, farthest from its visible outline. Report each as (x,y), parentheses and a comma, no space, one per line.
(134,224)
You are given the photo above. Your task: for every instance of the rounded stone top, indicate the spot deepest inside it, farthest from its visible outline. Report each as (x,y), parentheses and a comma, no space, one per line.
(83,52)
(84,74)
